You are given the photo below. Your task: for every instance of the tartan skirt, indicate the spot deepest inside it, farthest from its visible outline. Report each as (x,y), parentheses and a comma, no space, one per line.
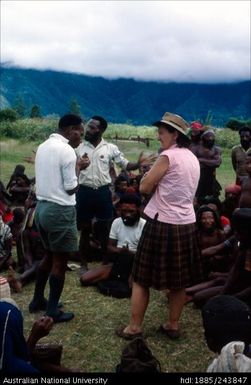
(168,256)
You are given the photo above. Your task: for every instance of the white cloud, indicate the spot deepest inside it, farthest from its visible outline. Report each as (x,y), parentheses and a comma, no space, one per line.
(201,41)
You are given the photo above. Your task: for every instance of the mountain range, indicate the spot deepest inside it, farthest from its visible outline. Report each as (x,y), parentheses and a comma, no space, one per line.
(123,100)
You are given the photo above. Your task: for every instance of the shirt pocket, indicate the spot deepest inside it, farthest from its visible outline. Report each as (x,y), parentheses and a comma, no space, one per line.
(104,161)
(104,158)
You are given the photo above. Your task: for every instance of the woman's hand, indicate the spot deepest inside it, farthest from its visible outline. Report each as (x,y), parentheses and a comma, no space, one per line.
(151,179)
(146,160)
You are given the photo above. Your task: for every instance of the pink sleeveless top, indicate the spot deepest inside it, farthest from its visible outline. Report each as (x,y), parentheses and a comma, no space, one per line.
(174,195)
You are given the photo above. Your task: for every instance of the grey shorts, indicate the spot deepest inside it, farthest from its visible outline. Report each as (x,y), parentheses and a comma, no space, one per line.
(57,226)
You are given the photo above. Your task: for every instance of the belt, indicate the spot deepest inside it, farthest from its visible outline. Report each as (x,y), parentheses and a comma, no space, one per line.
(94,187)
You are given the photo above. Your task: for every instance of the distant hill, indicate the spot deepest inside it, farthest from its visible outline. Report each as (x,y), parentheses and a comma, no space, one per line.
(124,100)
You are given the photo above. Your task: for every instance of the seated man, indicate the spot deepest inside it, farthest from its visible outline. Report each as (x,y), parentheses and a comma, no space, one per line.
(19,189)
(210,235)
(227,327)
(123,241)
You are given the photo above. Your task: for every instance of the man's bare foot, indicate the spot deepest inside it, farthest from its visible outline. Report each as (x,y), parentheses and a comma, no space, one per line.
(14,282)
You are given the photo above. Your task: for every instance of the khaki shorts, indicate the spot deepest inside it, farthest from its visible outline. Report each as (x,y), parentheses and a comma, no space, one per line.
(57,226)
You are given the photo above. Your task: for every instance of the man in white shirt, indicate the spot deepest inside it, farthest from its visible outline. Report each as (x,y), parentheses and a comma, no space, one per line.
(124,237)
(94,199)
(55,218)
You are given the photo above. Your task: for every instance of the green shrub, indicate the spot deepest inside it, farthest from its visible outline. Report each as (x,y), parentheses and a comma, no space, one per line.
(226,138)
(8,115)
(236,124)
(28,129)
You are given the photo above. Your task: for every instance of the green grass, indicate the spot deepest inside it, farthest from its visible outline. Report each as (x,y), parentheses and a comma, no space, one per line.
(12,153)
(90,343)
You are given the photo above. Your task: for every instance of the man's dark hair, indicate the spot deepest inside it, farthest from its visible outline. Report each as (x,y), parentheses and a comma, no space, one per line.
(226,319)
(69,120)
(211,199)
(102,122)
(120,178)
(245,128)
(130,199)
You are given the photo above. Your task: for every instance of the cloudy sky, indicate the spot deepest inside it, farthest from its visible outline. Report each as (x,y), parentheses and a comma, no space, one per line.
(183,41)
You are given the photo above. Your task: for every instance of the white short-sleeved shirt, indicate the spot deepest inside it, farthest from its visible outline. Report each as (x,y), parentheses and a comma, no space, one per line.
(55,171)
(97,174)
(127,236)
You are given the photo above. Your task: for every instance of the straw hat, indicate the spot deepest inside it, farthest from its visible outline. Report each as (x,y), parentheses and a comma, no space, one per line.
(175,121)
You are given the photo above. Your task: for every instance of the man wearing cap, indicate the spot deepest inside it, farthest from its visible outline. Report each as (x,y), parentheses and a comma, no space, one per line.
(196,132)
(168,254)
(209,157)
(94,199)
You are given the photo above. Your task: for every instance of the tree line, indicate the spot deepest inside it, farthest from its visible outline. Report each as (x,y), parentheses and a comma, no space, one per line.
(19,110)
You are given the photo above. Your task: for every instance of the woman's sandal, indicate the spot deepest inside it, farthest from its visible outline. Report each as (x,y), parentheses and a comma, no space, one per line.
(171,333)
(127,336)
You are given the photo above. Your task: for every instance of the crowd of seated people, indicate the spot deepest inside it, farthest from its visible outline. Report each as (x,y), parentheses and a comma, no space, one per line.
(19,235)
(231,274)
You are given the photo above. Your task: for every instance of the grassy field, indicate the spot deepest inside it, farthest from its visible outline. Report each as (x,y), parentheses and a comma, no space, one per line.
(90,343)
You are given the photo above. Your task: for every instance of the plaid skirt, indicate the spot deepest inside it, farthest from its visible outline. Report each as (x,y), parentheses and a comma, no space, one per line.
(168,256)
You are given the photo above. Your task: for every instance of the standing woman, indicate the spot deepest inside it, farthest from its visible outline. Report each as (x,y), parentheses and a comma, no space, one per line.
(168,255)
